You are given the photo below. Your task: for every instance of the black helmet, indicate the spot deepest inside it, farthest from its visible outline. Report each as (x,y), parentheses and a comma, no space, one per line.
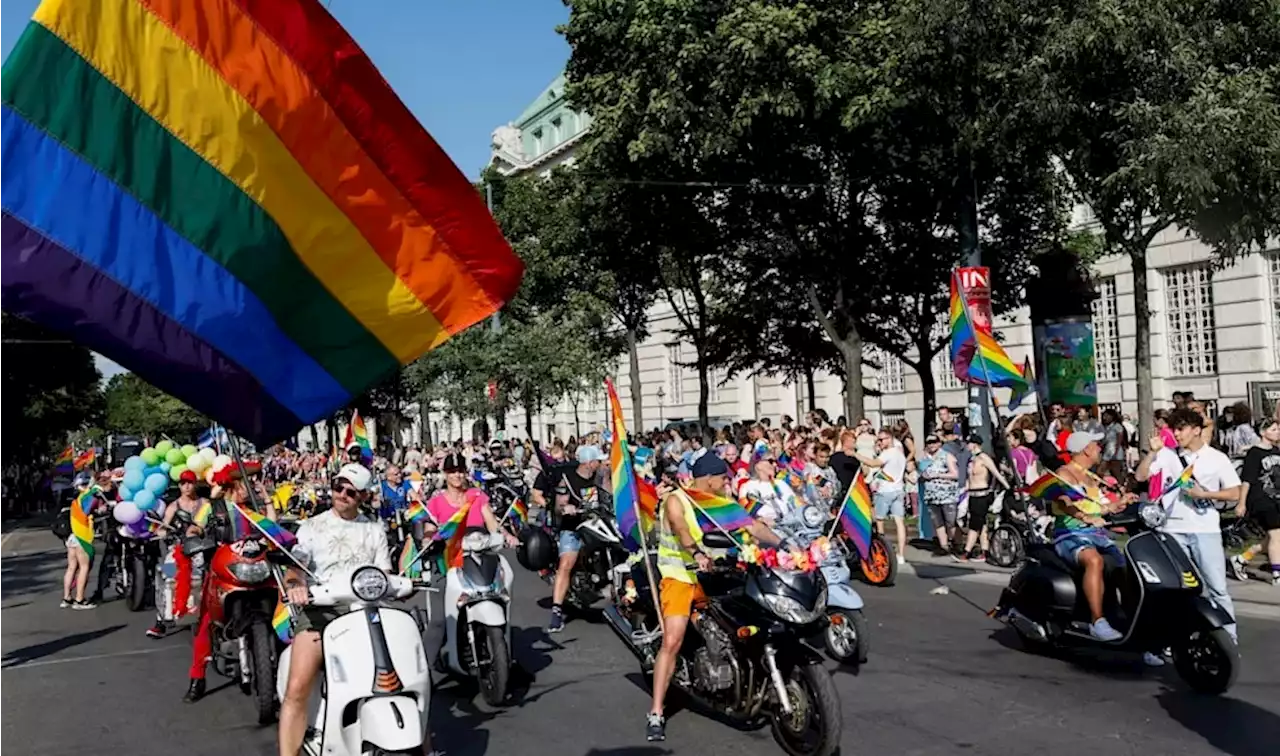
(536,551)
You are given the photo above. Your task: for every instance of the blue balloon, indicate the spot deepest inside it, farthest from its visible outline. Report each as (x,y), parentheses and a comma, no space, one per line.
(134,463)
(165,467)
(156,483)
(133,480)
(126,493)
(147,472)
(144,499)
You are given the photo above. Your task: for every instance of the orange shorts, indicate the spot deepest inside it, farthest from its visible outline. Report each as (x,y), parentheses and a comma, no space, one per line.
(678,597)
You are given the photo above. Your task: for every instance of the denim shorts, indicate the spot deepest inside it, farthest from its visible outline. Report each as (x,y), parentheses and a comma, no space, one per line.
(889,503)
(570,543)
(1069,546)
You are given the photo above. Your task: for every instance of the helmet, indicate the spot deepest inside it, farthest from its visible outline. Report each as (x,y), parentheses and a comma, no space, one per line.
(357,475)
(536,551)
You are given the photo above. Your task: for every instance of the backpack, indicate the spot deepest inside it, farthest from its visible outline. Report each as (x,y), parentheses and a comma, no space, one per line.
(61,526)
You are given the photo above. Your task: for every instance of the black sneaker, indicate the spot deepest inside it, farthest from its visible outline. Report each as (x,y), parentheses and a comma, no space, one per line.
(655,728)
(66,602)
(88,604)
(195,692)
(157,630)
(557,621)
(938,551)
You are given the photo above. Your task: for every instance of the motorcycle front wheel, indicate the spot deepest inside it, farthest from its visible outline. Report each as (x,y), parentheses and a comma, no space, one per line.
(493,677)
(880,568)
(135,590)
(846,640)
(1006,546)
(1208,661)
(813,727)
(263,646)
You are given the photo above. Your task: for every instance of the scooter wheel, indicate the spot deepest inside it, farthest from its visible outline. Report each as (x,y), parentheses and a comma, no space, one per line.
(495,676)
(1208,661)
(847,640)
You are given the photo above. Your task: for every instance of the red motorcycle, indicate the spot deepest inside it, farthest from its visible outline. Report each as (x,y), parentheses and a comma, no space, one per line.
(239,596)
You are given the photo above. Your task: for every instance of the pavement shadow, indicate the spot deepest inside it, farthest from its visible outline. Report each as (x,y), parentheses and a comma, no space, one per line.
(1230,725)
(30,574)
(630,751)
(30,653)
(457,721)
(940,571)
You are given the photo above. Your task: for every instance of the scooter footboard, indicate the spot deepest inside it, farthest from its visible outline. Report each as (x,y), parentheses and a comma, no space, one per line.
(392,723)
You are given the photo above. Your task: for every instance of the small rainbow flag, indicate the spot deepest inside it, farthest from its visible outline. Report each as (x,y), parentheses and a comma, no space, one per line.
(270,528)
(1184,481)
(648,492)
(358,436)
(632,520)
(241,527)
(1051,488)
(203,513)
(282,622)
(855,515)
(712,510)
(85,459)
(65,463)
(409,565)
(519,512)
(81,522)
(414,512)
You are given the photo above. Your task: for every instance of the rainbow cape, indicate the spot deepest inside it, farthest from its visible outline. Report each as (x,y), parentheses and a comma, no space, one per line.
(64,464)
(632,517)
(282,622)
(358,436)
(82,522)
(1051,488)
(713,510)
(977,357)
(855,515)
(227,198)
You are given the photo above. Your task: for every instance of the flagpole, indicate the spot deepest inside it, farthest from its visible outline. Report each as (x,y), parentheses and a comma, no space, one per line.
(615,412)
(244,478)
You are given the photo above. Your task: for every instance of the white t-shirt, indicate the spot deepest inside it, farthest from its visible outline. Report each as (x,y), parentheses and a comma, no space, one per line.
(888,477)
(329,545)
(776,498)
(1212,470)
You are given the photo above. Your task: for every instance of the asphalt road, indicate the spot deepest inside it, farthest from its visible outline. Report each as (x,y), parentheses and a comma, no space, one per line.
(943,679)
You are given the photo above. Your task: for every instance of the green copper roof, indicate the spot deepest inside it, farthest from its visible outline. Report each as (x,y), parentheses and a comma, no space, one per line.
(553,93)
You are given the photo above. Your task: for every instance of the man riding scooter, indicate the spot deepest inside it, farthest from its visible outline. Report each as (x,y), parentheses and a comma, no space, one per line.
(581,489)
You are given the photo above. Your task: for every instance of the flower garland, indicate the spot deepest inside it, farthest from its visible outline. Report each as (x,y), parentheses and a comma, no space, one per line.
(798,560)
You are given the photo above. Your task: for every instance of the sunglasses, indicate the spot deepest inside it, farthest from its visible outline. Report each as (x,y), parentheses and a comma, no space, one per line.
(343,488)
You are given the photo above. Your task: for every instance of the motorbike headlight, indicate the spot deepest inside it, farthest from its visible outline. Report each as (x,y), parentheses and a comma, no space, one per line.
(812,516)
(369,583)
(250,572)
(1153,514)
(475,541)
(790,610)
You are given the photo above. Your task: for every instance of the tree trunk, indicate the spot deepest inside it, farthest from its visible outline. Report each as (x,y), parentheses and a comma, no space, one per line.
(315,438)
(929,394)
(1142,333)
(528,419)
(577,424)
(813,392)
(851,350)
(637,391)
(424,424)
(704,392)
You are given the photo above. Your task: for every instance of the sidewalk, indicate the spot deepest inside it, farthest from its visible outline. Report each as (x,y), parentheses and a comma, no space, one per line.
(926,565)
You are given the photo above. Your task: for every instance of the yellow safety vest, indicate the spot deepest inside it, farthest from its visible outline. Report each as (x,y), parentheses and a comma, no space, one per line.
(673,558)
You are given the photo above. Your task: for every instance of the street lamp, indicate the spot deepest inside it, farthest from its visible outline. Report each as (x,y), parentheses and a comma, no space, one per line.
(662,417)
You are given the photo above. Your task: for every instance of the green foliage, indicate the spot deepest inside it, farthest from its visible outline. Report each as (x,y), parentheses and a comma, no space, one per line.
(51,389)
(135,407)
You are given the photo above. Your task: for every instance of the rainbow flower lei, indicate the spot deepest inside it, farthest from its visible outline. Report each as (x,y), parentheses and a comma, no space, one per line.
(798,560)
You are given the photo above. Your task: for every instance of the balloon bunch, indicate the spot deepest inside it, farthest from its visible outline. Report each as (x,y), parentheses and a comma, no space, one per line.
(797,560)
(147,476)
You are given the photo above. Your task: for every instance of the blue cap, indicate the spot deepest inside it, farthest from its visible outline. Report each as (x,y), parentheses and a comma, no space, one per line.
(709,464)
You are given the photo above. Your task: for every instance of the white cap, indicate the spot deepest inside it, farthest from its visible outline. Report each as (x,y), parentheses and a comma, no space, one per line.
(1077,441)
(357,475)
(588,453)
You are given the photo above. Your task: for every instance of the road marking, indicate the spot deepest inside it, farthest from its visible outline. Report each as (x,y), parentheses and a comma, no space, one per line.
(92,657)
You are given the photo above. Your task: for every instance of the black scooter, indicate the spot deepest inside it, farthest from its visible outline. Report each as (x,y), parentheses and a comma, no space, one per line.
(1161,605)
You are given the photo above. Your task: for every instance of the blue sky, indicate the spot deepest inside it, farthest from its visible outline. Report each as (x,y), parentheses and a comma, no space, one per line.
(464,67)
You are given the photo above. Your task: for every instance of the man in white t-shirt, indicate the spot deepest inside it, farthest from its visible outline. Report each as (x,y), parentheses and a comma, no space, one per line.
(1193,511)
(885,474)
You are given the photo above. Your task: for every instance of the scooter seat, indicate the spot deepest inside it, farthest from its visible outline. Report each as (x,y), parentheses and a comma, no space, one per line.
(1047,555)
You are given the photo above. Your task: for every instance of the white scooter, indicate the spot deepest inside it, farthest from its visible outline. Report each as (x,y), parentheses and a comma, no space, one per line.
(377,684)
(477,597)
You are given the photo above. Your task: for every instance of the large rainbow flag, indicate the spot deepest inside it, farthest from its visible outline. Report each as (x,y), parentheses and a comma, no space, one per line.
(977,357)
(225,197)
(629,507)
(357,435)
(855,515)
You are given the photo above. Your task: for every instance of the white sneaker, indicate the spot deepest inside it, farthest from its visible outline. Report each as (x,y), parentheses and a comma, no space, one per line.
(902,559)
(1103,631)
(1152,660)
(1237,570)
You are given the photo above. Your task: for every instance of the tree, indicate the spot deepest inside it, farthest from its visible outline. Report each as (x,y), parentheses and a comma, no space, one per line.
(1168,115)
(137,408)
(51,388)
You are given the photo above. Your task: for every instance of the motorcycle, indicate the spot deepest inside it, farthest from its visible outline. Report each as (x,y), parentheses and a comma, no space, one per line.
(134,568)
(477,597)
(601,553)
(376,685)
(240,592)
(845,636)
(1162,606)
(747,660)
(880,568)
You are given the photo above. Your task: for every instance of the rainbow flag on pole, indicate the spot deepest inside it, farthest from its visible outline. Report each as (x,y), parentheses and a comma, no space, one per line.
(358,436)
(1051,488)
(718,512)
(85,459)
(282,622)
(64,464)
(977,357)
(450,531)
(633,518)
(229,200)
(855,515)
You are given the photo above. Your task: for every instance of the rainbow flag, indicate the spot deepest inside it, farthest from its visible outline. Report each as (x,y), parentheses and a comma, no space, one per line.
(409,565)
(1051,488)
(85,459)
(228,199)
(272,529)
(1184,481)
(203,513)
(519,512)
(414,512)
(358,436)
(713,510)
(282,622)
(855,515)
(64,464)
(632,519)
(977,357)
(241,527)
(648,493)
(82,522)
(453,525)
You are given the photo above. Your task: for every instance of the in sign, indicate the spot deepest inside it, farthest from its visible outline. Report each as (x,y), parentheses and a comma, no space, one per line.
(972,278)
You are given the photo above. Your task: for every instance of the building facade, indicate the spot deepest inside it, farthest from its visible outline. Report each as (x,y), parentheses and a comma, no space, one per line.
(1213,332)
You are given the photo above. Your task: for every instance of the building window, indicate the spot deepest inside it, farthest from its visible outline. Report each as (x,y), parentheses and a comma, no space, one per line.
(1273,274)
(891,418)
(537,141)
(557,132)
(1188,302)
(1106,331)
(890,374)
(675,375)
(715,377)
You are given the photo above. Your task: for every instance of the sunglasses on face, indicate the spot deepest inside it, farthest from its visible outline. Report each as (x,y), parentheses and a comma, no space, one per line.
(342,488)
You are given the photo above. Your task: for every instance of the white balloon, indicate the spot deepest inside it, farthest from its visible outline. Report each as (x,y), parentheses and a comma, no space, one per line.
(221,461)
(209,453)
(197,464)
